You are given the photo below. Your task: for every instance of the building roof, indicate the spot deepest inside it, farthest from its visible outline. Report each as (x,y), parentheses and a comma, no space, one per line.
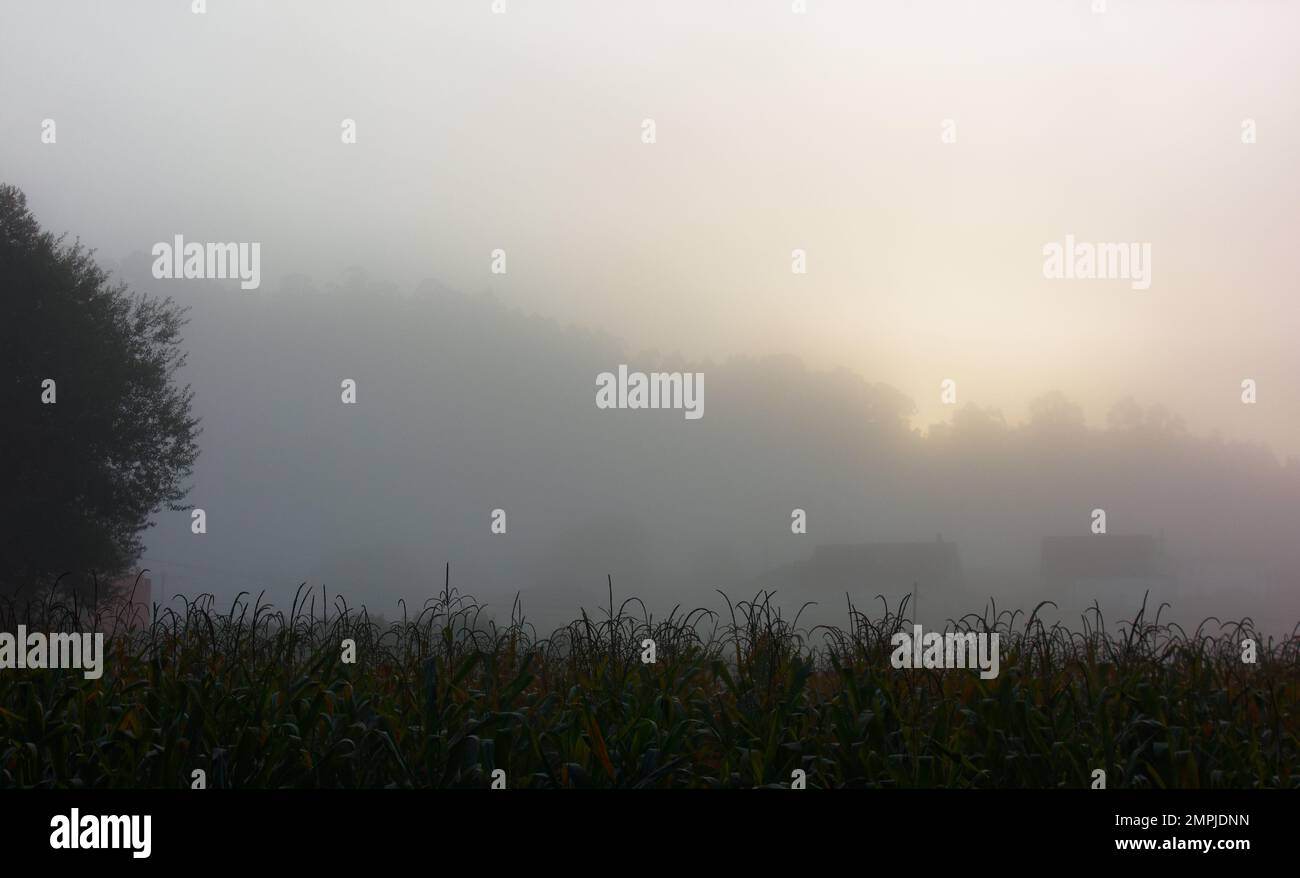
(897,565)
(1101,556)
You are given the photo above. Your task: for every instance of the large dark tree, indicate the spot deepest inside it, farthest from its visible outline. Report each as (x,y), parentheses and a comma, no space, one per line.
(81,476)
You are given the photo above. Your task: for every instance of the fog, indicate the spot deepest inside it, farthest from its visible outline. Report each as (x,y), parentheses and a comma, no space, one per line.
(823,391)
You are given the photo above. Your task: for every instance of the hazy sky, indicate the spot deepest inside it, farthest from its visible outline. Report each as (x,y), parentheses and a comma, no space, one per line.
(775,131)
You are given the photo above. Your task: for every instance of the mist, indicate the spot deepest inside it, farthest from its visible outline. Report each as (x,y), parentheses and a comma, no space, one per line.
(501,232)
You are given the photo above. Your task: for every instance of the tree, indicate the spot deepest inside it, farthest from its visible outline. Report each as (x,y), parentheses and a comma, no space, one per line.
(1125,415)
(95,436)
(1054,412)
(974,425)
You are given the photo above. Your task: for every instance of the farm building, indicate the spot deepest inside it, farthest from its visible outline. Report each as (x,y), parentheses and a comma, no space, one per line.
(864,570)
(893,566)
(1107,566)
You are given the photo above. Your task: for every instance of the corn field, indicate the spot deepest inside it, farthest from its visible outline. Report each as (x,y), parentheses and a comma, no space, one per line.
(737,697)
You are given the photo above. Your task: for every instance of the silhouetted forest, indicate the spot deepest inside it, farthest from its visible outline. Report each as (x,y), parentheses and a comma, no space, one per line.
(465,405)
